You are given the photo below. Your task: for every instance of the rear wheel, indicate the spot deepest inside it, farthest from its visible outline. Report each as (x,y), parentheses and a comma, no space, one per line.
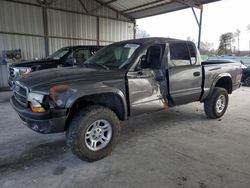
(93,133)
(247,81)
(216,105)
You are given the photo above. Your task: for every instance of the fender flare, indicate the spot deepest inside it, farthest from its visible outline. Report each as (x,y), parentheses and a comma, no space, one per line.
(222,75)
(76,96)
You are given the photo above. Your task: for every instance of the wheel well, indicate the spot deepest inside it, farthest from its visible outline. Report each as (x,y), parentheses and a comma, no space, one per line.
(226,83)
(109,100)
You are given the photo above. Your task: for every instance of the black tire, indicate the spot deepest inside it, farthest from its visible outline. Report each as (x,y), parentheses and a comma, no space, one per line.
(79,126)
(247,81)
(210,103)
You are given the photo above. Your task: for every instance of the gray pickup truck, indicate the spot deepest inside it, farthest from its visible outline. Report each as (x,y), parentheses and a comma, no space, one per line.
(121,80)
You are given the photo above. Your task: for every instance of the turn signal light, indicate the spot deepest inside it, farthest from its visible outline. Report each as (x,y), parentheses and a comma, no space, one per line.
(37,109)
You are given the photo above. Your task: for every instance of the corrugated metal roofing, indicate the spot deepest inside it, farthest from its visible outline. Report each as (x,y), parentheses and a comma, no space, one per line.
(22,26)
(17,17)
(21,22)
(135,9)
(111,30)
(63,24)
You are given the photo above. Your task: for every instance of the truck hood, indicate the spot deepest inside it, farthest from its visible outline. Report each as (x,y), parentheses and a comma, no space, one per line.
(33,63)
(68,75)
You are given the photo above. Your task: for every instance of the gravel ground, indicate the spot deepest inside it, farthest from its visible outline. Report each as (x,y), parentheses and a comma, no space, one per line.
(179,148)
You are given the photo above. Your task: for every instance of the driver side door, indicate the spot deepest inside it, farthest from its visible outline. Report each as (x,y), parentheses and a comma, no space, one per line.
(147,83)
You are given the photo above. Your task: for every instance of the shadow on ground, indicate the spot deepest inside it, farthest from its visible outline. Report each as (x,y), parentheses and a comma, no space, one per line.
(34,156)
(53,149)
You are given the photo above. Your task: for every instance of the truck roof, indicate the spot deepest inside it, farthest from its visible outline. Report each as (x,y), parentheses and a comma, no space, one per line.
(81,46)
(152,40)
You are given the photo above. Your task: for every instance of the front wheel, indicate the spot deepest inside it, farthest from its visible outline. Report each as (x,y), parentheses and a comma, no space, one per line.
(93,133)
(216,104)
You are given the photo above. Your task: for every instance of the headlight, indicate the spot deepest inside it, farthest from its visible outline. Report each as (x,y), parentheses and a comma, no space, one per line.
(36,101)
(24,70)
(60,94)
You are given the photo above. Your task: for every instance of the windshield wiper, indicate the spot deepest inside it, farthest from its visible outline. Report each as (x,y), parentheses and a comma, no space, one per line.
(97,65)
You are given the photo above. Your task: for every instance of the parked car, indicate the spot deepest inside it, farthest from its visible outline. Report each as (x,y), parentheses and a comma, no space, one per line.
(67,56)
(120,81)
(245,79)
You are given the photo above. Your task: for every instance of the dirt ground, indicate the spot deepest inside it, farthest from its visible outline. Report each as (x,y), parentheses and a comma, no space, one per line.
(179,148)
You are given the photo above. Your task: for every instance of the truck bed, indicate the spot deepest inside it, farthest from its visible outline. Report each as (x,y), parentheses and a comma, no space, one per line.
(213,70)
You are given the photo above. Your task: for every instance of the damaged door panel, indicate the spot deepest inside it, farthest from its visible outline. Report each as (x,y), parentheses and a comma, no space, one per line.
(147,84)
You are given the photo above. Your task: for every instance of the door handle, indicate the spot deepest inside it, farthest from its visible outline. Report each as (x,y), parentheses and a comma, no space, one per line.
(140,73)
(196,73)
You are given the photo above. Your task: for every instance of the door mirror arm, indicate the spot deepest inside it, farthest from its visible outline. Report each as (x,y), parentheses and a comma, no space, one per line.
(142,63)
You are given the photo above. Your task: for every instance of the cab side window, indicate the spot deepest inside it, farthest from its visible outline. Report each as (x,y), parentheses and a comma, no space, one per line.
(179,54)
(81,55)
(152,57)
(192,51)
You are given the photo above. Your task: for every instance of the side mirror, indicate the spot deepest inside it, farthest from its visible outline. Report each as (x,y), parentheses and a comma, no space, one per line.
(142,62)
(193,60)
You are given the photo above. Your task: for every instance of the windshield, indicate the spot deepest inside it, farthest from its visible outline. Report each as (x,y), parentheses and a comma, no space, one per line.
(59,53)
(114,56)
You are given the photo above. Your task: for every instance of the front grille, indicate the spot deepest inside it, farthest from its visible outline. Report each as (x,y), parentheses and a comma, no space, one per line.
(12,72)
(20,93)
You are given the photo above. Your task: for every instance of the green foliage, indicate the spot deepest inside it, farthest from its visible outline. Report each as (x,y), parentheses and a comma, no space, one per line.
(204,57)
(225,46)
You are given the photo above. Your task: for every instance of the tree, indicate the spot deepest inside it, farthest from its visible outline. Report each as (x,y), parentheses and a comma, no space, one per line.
(206,48)
(225,46)
(237,36)
(141,33)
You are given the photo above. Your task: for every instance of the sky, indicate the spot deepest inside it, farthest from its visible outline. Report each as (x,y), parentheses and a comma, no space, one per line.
(218,18)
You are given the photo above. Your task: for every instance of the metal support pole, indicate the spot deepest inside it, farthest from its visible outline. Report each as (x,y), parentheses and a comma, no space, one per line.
(45,27)
(98,30)
(199,23)
(200,27)
(195,16)
(134,29)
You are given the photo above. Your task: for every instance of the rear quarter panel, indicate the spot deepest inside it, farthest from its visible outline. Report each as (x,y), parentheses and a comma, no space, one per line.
(213,72)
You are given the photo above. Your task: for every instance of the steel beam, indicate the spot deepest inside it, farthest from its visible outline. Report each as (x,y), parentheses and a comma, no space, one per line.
(45,29)
(98,7)
(200,28)
(134,29)
(51,36)
(142,6)
(98,31)
(71,11)
(83,6)
(115,10)
(196,18)
(199,23)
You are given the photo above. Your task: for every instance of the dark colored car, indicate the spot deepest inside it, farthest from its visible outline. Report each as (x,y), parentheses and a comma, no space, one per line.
(120,81)
(245,75)
(64,57)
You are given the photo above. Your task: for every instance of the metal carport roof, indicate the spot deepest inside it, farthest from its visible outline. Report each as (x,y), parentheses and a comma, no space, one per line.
(135,9)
